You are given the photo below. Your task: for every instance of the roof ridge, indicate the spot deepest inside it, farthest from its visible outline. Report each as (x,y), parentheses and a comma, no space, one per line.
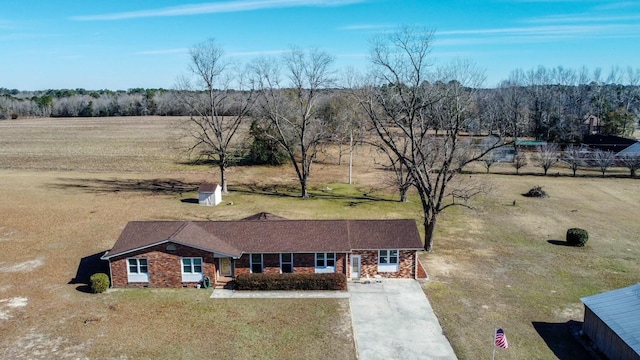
(175,233)
(198,223)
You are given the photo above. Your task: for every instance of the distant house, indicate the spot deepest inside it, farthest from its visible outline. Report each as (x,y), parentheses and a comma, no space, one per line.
(608,142)
(502,152)
(209,194)
(612,322)
(183,253)
(633,150)
(529,145)
(505,154)
(592,125)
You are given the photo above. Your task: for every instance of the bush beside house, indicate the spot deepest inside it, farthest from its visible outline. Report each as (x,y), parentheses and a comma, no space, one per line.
(332,281)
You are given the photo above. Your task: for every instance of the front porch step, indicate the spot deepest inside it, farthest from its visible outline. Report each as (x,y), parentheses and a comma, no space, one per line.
(224,282)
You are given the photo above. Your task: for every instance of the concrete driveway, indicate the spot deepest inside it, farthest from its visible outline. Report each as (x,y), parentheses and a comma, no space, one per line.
(394,320)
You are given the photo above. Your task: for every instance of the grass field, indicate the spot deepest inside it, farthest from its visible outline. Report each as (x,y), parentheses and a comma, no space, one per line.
(68,187)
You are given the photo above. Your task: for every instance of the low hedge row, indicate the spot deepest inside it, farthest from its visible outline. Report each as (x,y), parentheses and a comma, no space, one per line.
(331,281)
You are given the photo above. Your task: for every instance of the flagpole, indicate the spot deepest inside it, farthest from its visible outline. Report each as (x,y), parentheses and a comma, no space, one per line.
(493,341)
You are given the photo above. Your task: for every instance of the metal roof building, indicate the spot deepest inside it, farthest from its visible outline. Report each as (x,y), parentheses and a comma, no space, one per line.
(612,322)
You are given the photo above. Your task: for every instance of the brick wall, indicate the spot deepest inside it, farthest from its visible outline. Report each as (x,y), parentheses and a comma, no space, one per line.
(369,264)
(165,266)
(422,272)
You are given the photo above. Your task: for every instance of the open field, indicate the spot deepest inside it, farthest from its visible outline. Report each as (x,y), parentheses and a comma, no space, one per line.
(68,187)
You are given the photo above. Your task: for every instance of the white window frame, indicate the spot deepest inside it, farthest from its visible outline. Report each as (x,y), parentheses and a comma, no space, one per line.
(139,275)
(386,261)
(261,263)
(286,263)
(192,275)
(323,267)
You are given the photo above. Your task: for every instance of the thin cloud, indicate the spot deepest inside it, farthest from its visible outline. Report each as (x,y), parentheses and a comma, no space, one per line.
(583,19)
(258,53)
(553,1)
(536,34)
(353,56)
(359,27)
(26,36)
(218,7)
(547,30)
(618,6)
(163,51)
(6,24)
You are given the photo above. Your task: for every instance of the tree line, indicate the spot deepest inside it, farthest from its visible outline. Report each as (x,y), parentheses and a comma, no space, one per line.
(550,104)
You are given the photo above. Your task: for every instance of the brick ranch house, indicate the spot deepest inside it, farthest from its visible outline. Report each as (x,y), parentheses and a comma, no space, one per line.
(182,253)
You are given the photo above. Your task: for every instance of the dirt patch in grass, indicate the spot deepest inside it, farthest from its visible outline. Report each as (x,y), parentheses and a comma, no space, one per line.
(7,305)
(25,266)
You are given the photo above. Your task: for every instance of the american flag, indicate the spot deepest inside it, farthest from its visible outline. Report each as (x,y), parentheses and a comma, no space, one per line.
(501,339)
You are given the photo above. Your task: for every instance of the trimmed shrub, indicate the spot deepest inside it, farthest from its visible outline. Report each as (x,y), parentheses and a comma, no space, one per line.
(577,237)
(99,282)
(331,281)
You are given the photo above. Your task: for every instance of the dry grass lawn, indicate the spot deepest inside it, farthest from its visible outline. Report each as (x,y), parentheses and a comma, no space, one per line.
(68,187)
(505,265)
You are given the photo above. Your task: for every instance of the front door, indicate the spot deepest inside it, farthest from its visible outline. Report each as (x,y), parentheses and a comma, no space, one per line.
(355,266)
(225,266)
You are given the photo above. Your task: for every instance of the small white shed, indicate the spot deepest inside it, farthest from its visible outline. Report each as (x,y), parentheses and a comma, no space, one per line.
(209,194)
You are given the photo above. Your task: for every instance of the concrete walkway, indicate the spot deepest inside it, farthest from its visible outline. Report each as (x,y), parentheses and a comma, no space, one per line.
(231,294)
(393,319)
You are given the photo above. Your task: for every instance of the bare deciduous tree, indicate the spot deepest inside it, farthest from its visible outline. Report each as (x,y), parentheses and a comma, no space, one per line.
(547,156)
(400,177)
(631,161)
(291,108)
(520,161)
(217,110)
(492,156)
(428,114)
(603,160)
(573,157)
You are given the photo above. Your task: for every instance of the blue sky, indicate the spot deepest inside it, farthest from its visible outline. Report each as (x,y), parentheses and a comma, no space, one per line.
(122,44)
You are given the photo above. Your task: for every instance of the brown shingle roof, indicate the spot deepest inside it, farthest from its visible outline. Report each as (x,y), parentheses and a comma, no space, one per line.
(263,236)
(207,187)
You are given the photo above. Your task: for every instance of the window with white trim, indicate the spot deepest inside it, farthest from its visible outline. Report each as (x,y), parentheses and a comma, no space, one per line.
(138,270)
(256,263)
(325,262)
(388,261)
(286,263)
(191,269)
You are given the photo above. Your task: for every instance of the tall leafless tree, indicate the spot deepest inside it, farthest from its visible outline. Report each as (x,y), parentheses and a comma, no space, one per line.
(406,106)
(519,161)
(217,110)
(289,93)
(547,156)
(573,157)
(400,177)
(631,161)
(603,160)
